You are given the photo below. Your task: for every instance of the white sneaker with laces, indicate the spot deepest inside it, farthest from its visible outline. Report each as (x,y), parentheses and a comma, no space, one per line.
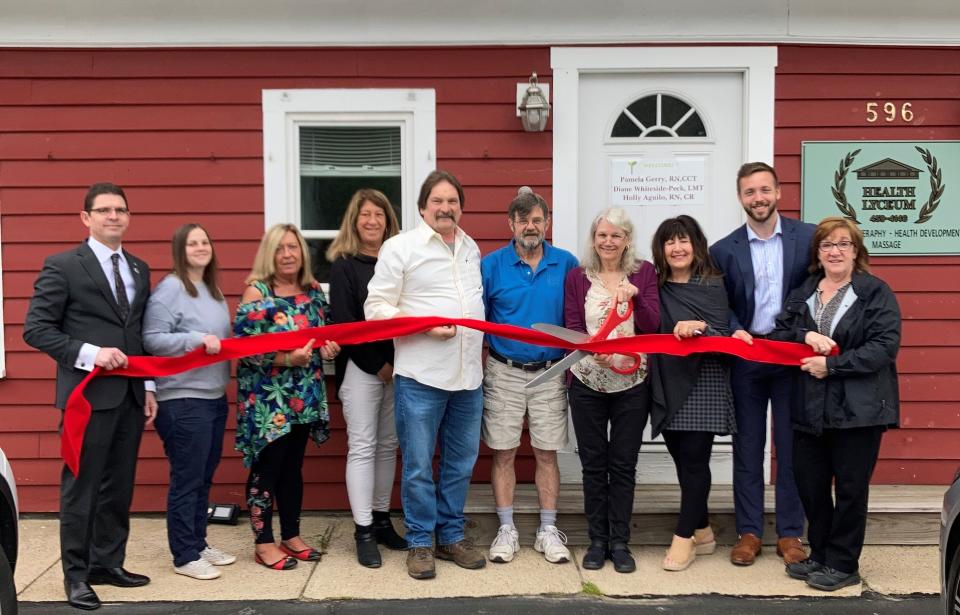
(198,569)
(505,545)
(550,542)
(217,557)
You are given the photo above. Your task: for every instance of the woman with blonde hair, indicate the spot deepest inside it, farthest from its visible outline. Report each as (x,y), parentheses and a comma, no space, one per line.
(365,376)
(609,409)
(281,396)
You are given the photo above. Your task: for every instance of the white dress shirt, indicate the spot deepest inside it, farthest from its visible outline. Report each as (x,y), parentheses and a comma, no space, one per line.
(88,352)
(418,275)
(767,257)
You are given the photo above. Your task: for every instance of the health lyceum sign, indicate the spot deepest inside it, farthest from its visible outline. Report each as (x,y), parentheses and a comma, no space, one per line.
(904,195)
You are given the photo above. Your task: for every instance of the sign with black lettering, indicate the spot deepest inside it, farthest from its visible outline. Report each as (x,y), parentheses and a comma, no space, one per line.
(661,181)
(903,194)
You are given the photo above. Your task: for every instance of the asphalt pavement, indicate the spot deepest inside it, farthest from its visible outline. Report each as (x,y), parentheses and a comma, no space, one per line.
(866,604)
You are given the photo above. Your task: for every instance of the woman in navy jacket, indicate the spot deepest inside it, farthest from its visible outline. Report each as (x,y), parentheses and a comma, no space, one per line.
(843,403)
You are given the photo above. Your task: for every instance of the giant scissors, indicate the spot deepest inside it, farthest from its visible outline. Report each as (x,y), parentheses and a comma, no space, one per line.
(616,316)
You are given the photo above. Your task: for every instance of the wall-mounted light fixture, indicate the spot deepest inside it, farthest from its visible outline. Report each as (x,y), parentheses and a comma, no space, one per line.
(534,108)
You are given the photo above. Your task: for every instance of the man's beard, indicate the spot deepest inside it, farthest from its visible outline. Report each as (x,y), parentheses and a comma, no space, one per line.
(529,243)
(771,209)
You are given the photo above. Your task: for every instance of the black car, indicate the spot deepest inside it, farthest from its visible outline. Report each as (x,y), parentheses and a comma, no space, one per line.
(950,549)
(9,537)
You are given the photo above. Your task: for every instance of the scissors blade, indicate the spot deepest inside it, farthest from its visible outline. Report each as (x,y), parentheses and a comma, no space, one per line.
(557,368)
(567,335)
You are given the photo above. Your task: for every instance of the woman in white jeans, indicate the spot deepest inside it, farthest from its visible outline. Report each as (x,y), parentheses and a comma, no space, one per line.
(365,376)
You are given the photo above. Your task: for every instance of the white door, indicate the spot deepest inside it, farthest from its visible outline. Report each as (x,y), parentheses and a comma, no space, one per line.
(680,135)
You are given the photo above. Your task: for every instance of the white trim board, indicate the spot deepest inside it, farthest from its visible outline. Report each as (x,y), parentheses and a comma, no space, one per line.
(338,23)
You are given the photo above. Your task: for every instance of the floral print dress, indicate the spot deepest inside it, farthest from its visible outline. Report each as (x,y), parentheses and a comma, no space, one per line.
(272,398)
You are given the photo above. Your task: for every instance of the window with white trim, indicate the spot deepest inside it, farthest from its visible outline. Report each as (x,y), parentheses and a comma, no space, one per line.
(321,146)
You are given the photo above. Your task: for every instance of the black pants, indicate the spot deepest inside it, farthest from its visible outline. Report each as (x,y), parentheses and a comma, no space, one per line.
(691,455)
(609,463)
(843,459)
(95,506)
(276,477)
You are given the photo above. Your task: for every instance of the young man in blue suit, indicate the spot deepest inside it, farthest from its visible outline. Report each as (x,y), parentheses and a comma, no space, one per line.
(762,261)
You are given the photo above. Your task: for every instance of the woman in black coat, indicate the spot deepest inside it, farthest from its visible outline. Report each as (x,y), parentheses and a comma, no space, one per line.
(844,403)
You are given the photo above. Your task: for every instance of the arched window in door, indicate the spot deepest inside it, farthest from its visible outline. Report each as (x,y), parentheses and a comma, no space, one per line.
(658,116)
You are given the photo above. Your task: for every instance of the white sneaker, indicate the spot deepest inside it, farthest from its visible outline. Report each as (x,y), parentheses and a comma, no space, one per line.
(217,557)
(550,542)
(198,569)
(505,545)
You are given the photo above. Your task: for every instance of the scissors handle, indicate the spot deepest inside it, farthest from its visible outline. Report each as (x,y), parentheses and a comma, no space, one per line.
(614,318)
(630,369)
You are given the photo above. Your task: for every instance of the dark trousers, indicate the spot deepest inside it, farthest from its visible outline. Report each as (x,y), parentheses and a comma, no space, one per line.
(95,506)
(609,462)
(843,459)
(192,434)
(276,478)
(754,385)
(691,455)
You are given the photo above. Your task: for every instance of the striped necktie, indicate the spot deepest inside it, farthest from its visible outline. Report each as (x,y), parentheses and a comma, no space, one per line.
(122,300)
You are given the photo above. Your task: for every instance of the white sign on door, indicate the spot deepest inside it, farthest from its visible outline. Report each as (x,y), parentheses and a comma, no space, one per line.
(664,181)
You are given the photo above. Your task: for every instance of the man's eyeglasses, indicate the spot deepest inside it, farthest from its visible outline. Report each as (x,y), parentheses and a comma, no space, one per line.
(843,246)
(106,211)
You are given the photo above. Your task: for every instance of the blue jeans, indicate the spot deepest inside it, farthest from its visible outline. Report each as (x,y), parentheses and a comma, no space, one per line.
(423,413)
(192,434)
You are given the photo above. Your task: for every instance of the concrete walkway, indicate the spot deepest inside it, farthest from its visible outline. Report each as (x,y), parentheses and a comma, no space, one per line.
(886,570)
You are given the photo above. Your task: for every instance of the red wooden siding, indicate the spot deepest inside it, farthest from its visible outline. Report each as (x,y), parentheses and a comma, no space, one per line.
(821,95)
(181,130)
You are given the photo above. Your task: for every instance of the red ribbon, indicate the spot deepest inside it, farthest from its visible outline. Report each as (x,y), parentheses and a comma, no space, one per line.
(78,409)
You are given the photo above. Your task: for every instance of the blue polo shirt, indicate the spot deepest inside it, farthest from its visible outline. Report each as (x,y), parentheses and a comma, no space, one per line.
(514,294)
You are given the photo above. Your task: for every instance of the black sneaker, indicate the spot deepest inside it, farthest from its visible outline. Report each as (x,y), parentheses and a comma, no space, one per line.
(622,558)
(802,570)
(368,554)
(829,579)
(595,556)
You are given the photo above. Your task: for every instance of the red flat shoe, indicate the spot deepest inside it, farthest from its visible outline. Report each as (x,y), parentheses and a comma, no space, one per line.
(305,555)
(285,563)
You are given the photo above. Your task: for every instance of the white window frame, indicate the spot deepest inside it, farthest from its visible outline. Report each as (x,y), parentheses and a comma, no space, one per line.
(284,111)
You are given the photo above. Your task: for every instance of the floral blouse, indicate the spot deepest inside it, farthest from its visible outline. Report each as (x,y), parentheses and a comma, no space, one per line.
(597,306)
(271,398)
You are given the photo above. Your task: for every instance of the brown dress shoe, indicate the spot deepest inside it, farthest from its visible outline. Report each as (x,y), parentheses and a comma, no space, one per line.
(463,554)
(791,550)
(745,552)
(420,563)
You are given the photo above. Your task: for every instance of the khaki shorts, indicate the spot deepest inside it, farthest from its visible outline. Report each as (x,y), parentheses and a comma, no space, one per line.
(506,403)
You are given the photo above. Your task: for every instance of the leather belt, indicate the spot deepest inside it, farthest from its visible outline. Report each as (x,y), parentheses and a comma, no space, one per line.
(760,336)
(534,366)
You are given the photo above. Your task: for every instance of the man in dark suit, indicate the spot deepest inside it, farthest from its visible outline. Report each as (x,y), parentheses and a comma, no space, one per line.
(86,310)
(762,261)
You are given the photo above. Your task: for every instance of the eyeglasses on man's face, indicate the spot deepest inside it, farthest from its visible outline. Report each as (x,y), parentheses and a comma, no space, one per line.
(106,211)
(828,246)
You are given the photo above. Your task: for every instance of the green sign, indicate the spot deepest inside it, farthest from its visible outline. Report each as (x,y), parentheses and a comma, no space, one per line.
(904,195)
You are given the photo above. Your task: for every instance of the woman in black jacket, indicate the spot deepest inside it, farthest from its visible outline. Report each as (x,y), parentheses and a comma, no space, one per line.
(365,376)
(845,402)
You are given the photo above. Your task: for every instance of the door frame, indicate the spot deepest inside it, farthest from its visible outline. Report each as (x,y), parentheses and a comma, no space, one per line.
(756,65)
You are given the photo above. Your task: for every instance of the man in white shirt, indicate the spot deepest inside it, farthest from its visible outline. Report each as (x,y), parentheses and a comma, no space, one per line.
(434,270)
(87,309)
